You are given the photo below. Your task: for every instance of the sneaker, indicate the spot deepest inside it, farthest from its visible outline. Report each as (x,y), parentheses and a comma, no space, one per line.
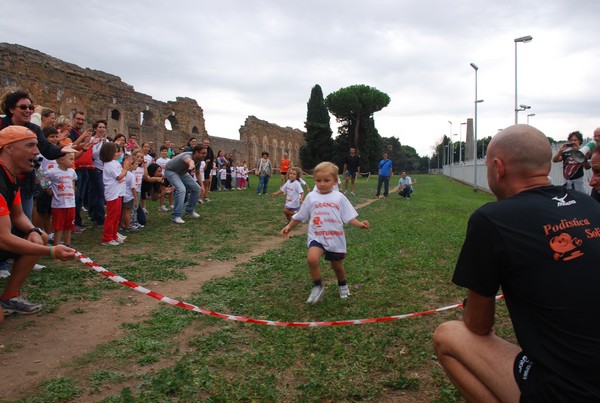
(163,208)
(20,306)
(315,294)
(206,200)
(177,220)
(345,192)
(38,267)
(119,241)
(144,210)
(121,237)
(4,274)
(51,237)
(172,206)
(76,230)
(193,214)
(353,194)
(131,229)
(344,291)
(111,243)
(84,209)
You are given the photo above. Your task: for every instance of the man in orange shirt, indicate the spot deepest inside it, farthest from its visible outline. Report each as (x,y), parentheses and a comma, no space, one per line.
(18,152)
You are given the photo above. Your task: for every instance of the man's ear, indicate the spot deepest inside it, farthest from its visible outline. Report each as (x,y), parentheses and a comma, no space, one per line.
(500,168)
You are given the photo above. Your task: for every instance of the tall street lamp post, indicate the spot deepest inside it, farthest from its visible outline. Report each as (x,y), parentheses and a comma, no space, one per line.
(460,142)
(475,133)
(451,141)
(523,39)
(529,115)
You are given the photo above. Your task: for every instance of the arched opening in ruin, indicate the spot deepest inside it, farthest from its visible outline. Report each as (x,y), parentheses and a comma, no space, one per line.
(115,114)
(171,123)
(146,118)
(195,130)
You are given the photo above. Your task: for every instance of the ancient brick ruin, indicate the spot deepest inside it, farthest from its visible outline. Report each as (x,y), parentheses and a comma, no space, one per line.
(66,87)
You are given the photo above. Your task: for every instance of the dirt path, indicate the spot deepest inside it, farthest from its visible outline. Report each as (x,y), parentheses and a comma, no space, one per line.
(40,346)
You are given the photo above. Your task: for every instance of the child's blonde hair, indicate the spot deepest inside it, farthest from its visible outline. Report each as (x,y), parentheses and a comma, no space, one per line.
(327,168)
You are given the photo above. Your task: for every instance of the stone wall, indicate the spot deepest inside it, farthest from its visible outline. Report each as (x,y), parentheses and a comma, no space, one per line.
(66,88)
(259,136)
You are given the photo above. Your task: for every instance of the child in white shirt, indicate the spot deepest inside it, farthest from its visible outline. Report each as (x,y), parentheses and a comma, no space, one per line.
(327,211)
(293,194)
(63,179)
(129,196)
(113,175)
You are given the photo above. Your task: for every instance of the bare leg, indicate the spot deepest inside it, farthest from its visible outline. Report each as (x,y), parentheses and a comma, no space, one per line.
(481,367)
(67,234)
(22,267)
(314,260)
(338,268)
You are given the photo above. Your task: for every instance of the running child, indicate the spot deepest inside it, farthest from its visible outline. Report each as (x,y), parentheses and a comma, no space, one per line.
(328,211)
(293,194)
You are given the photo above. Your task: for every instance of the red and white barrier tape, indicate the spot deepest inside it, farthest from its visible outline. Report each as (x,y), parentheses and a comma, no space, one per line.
(118,279)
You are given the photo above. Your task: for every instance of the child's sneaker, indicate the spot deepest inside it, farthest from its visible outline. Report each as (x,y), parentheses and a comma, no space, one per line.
(163,208)
(4,274)
(344,291)
(20,306)
(315,294)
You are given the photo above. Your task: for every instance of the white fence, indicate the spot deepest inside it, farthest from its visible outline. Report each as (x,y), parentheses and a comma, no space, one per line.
(465,172)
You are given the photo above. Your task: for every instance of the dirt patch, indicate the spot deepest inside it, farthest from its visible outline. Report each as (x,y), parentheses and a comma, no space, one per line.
(39,347)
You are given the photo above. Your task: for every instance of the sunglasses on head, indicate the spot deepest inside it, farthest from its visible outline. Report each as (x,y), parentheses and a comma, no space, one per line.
(25,107)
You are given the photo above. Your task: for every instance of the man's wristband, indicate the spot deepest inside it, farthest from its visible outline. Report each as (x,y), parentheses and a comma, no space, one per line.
(34,229)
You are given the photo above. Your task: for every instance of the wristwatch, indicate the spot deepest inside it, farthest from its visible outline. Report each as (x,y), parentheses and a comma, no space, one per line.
(35,229)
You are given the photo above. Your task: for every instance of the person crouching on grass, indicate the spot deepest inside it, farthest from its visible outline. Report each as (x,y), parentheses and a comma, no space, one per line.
(293,194)
(328,212)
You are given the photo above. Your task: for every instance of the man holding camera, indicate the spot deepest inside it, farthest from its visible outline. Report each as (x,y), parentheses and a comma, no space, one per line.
(572,170)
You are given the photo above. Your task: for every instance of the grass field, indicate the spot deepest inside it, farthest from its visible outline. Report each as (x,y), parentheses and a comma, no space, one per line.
(402,264)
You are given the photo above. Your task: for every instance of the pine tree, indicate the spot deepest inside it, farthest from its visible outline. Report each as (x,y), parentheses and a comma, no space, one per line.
(319,144)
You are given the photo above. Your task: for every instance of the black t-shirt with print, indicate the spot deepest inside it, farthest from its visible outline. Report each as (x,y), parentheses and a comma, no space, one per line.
(542,246)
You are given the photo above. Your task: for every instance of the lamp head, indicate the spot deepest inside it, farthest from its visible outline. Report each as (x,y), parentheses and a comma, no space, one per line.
(524,39)
(474,66)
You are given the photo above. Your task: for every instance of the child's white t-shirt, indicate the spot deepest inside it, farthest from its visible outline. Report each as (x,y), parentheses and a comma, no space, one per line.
(112,187)
(223,174)
(292,192)
(139,176)
(63,190)
(328,213)
(46,164)
(162,162)
(129,186)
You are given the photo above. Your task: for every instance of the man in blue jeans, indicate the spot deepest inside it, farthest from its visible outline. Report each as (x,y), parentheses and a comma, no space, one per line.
(383,176)
(177,172)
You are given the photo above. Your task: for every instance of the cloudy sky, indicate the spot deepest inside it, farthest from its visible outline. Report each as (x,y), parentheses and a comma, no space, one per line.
(262,57)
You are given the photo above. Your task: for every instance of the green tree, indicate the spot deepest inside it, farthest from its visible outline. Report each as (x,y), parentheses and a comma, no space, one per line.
(354,107)
(318,144)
